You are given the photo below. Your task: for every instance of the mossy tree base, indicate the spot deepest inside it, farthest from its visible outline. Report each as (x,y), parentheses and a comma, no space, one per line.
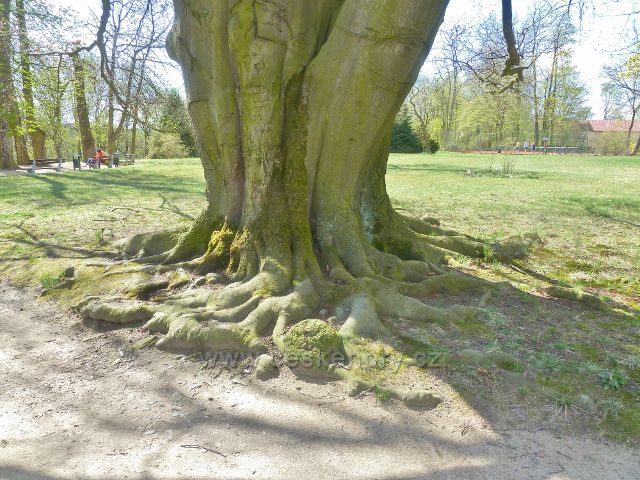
(293,103)
(287,309)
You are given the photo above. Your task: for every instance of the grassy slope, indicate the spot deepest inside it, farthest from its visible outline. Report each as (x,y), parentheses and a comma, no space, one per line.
(587,209)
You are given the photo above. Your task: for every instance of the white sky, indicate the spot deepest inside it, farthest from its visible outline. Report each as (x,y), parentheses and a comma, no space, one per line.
(603,33)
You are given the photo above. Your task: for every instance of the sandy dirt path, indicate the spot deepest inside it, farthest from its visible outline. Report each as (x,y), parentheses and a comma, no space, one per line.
(77,404)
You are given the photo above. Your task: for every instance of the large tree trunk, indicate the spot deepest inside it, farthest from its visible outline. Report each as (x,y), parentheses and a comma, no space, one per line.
(20,142)
(294,104)
(87,140)
(36,133)
(7,162)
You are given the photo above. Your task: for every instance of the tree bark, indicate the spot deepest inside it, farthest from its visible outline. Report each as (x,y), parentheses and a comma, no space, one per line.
(36,133)
(87,140)
(294,103)
(8,107)
(636,147)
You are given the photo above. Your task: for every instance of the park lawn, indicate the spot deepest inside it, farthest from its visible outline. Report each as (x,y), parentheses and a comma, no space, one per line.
(70,214)
(586,209)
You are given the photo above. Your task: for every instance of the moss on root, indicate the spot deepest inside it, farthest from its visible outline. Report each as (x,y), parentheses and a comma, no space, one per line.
(114,311)
(312,344)
(185,334)
(277,291)
(576,295)
(150,244)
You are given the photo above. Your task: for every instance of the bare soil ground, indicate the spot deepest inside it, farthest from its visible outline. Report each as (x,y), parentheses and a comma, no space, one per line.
(76,403)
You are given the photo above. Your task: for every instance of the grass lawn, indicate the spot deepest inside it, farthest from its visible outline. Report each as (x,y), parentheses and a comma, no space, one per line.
(587,210)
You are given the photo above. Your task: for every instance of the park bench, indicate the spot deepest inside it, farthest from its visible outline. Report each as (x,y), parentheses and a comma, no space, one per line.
(110,161)
(46,163)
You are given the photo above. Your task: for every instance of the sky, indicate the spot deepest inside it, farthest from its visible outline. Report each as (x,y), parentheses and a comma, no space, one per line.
(603,32)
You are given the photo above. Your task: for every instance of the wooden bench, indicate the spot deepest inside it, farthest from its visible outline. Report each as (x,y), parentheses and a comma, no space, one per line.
(46,163)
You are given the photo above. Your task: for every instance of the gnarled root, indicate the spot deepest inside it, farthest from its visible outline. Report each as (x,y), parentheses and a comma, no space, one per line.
(277,302)
(414,232)
(114,310)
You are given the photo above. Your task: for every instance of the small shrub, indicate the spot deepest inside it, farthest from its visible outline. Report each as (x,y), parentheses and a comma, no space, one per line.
(487,253)
(563,400)
(167,145)
(50,280)
(508,166)
(612,379)
(610,408)
(548,363)
(433,146)
(563,403)
(611,143)
(383,395)
(100,237)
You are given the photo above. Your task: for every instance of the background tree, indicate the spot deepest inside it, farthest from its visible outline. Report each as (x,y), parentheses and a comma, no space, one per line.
(87,140)
(403,138)
(9,116)
(425,109)
(613,102)
(174,118)
(624,80)
(36,133)
(135,31)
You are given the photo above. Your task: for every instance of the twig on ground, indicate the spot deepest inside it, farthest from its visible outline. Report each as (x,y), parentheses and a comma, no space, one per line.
(206,449)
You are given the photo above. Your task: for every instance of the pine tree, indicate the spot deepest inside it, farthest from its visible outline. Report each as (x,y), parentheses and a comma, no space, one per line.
(403,138)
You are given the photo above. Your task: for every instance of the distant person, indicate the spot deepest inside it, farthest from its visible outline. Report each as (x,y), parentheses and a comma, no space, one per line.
(518,147)
(95,161)
(533,147)
(526,146)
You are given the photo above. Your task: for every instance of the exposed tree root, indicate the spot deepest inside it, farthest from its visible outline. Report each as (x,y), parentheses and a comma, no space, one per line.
(588,299)
(114,311)
(449,241)
(281,299)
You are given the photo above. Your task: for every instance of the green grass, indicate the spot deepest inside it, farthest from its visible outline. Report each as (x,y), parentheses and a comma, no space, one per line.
(587,209)
(64,215)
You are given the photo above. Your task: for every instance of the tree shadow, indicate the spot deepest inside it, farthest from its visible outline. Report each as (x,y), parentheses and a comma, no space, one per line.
(49,249)
(304,429)
(170,206)
(91,186)
(602,208)
(58,188)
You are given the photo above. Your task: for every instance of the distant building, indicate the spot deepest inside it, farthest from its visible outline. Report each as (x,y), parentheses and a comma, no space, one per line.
(610,136)
(598,127)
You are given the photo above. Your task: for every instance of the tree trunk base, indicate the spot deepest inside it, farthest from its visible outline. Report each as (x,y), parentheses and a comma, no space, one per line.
(266,304)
